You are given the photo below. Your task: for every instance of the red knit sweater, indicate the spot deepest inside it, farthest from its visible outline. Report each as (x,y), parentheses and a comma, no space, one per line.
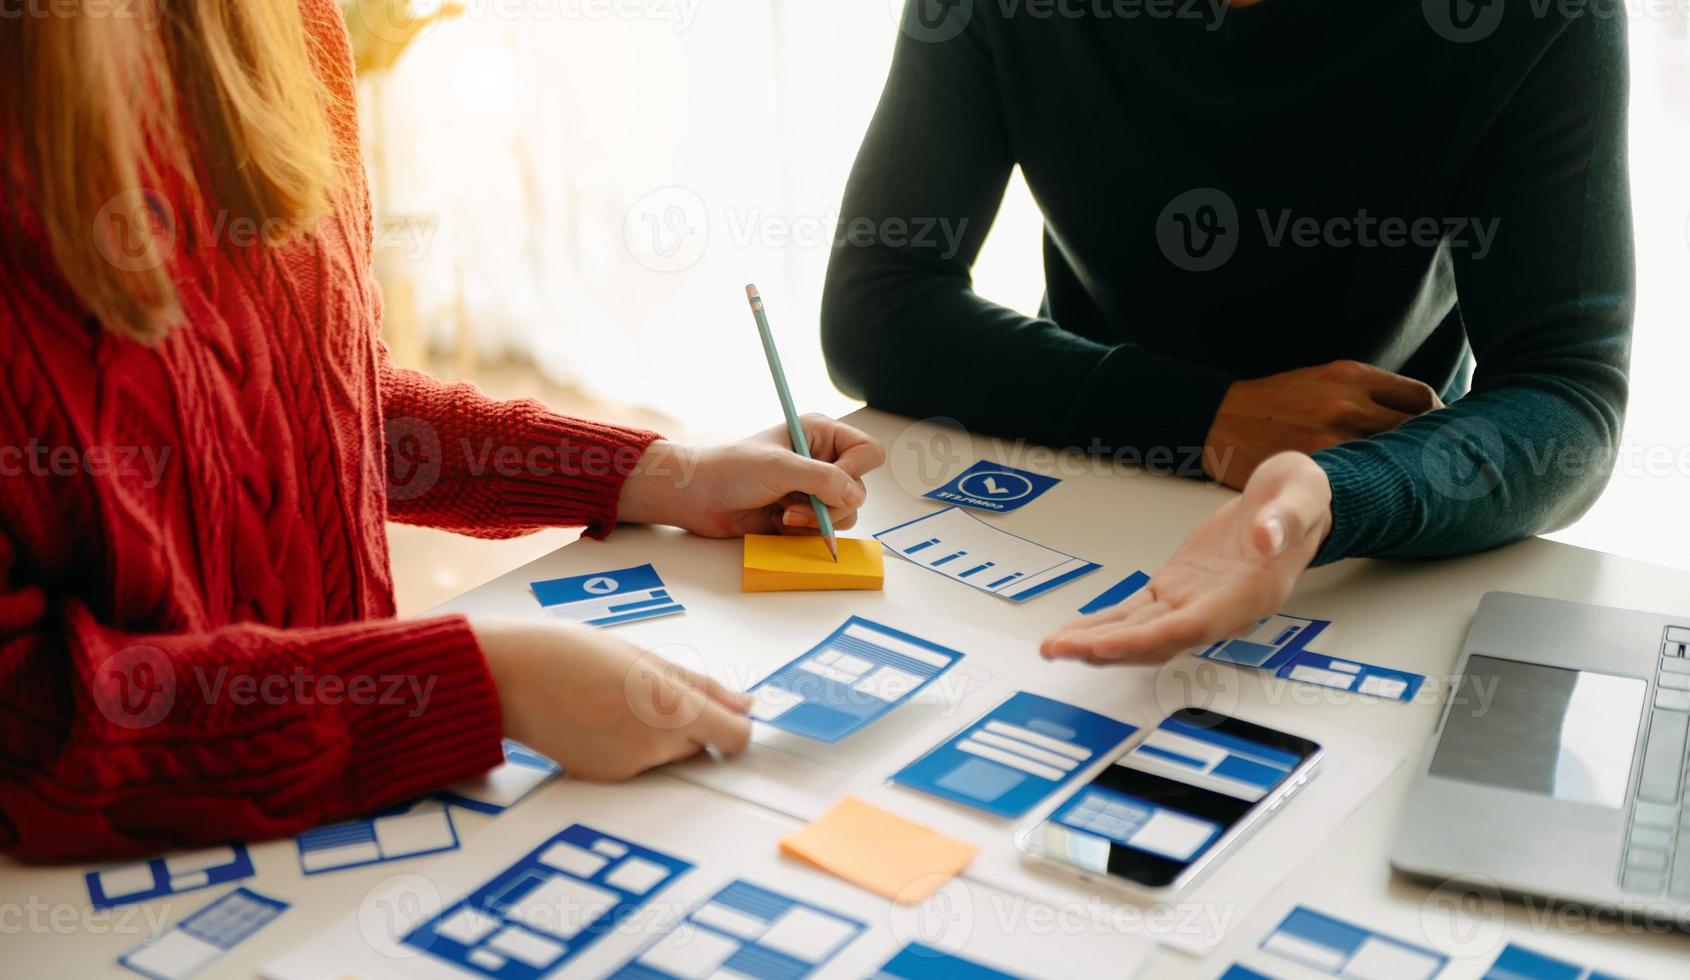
(196,632)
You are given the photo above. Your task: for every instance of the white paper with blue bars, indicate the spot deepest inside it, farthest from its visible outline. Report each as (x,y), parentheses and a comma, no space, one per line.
(859,673)
(194,942)
(968,550)
(621,595)
(405,831)
(748,931)
(1333,946)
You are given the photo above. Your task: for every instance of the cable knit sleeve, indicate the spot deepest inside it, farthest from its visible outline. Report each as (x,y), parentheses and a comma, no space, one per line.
(113,743)
(461,461)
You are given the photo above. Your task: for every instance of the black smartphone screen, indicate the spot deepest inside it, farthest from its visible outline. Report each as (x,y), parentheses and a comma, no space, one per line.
(1160,806)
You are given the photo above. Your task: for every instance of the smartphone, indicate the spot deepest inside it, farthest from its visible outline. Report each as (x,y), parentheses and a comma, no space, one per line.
(1159,815)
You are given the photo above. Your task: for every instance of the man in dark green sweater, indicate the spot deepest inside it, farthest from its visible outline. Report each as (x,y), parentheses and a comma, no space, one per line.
(1278,237)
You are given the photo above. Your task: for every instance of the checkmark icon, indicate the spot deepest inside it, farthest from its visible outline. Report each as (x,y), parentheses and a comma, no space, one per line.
(992,486)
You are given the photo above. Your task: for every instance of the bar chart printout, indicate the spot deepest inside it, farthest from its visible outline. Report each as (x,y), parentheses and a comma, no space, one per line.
(968,550)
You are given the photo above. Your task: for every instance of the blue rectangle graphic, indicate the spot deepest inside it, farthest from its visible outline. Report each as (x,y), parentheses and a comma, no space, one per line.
(919,961)
(1273,642)
(1015,755)
(1329,945)
(861,671)
(621,595)
(1116,594)
(1309,667)
(994,487)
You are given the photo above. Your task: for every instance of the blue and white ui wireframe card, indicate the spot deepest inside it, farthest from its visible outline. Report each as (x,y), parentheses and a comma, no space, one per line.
(747,931)
(1310,667)
(919,961)
(542,911)
(169,875)
(523,772)
(406,831)
(1187,753)
(1273,642)
(1335,947)
(1016,755)
(210,932)
(860,672)
(1116,594)
(621,595)
(962,547)
(994,487)
(1520,963)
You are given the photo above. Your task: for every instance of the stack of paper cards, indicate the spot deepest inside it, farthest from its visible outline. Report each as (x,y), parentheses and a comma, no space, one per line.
(746,930)
(882,852)
(202,937)
(170,875)
(1018,754)
(1332,946)
(859,673)
(802,563)
(543,911)
(405,831)
(523,772)
(919,961)
(964,548)
(1280,643)
(621,595)
(1273,642)
(994,487)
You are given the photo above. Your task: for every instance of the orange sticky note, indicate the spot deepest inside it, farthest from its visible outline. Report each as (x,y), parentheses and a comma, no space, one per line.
(883,852)
(793,563)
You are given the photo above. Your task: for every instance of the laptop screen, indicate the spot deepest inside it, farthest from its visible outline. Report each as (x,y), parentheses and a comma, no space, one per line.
(1566,734)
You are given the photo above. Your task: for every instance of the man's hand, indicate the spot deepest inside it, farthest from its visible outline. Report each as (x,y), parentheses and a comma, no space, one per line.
(1238,566)
(1305,411)
(754,486)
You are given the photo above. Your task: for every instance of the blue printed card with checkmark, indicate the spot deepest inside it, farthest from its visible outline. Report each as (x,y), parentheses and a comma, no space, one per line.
(994,487)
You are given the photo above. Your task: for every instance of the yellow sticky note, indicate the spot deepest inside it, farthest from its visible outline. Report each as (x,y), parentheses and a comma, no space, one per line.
(880,851)
(781,563)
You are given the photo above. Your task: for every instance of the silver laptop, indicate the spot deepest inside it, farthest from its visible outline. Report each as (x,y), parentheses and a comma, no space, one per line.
(1558,767)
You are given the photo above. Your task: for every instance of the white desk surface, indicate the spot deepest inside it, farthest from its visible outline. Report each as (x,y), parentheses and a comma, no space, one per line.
(1407,615)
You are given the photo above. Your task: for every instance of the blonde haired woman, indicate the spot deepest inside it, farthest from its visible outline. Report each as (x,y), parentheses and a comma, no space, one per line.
(196,632)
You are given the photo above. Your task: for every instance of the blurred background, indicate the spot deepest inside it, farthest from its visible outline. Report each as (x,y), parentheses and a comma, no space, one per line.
(571,195)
